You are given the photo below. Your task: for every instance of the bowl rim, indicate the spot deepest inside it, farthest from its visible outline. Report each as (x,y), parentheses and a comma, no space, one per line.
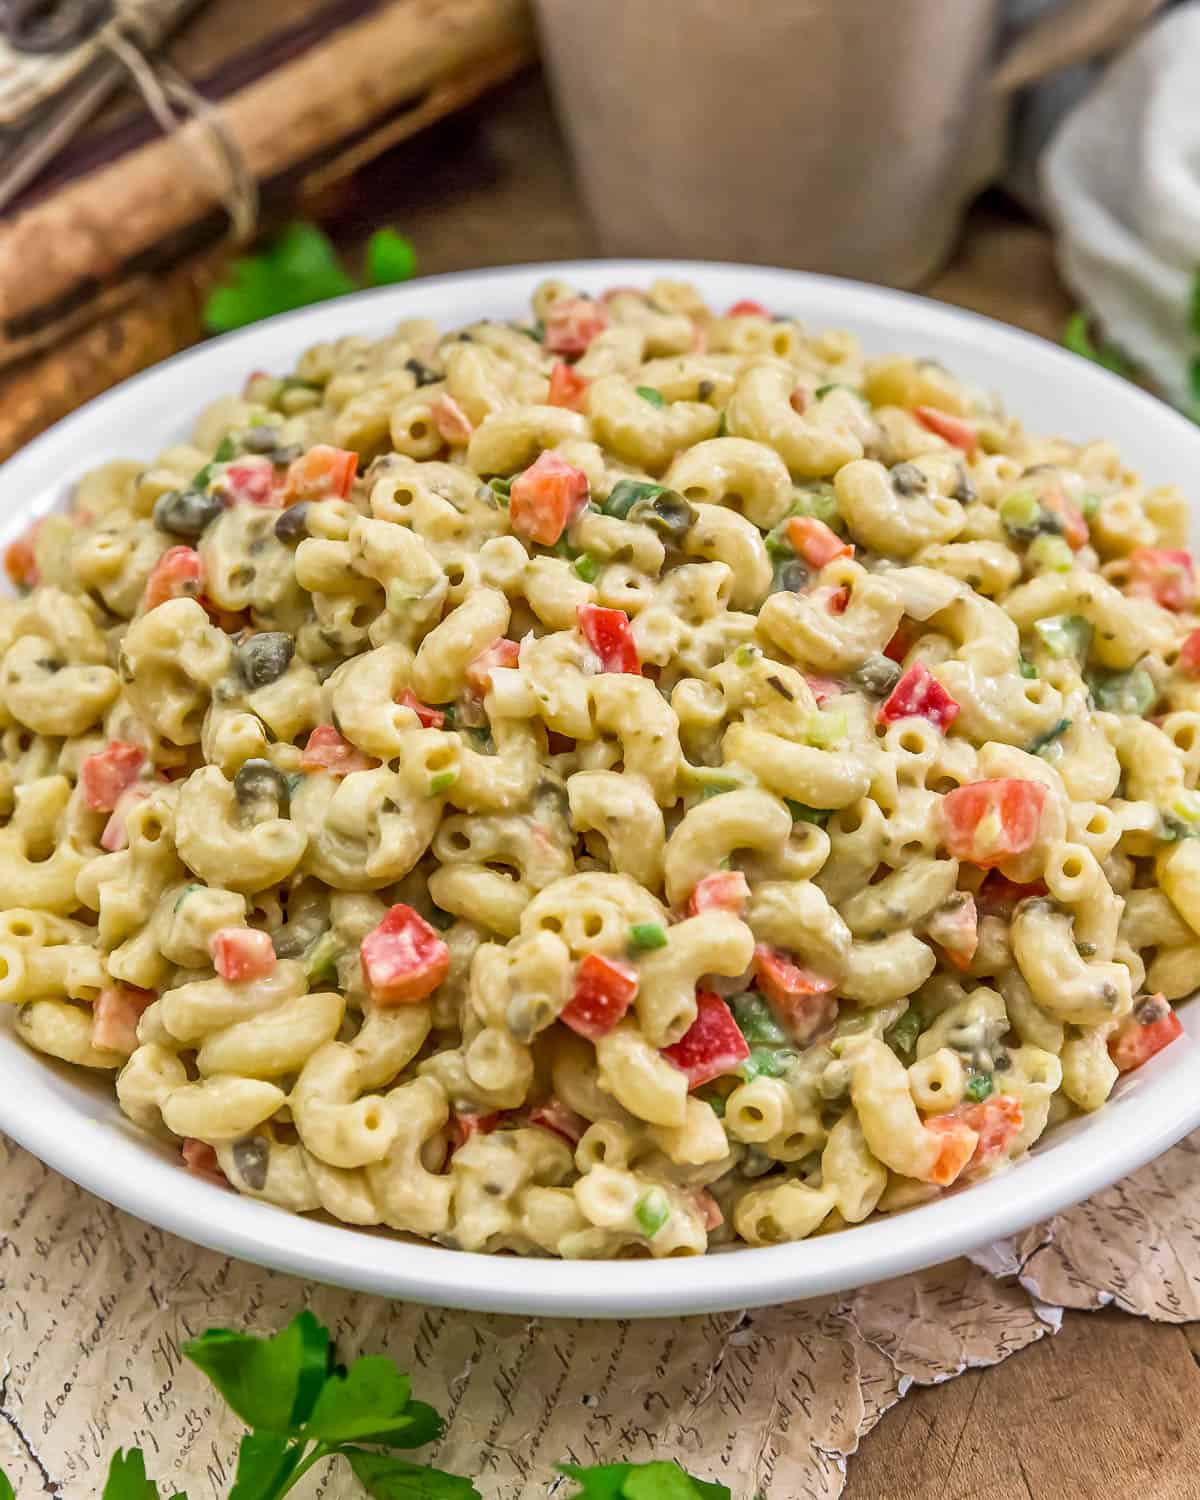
(1149,1112)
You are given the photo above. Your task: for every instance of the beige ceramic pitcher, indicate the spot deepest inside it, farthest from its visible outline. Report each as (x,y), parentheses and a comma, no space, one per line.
(837,135)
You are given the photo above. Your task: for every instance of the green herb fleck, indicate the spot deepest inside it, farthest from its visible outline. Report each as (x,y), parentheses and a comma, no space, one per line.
(442,782)
(1027,668)
(501,487)
(652,1210)
(648,393)
(802,813)
(586,567)
(647,936)
(979,1086)
(767,1062)
(1044,741)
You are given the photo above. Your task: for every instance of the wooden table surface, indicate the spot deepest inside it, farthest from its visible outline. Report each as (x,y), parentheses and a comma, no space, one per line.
(1106,1406)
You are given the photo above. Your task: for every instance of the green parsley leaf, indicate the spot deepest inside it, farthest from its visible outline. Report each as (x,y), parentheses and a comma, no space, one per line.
(647,936)
(390,258)
(266,1461)
(6,1490)
(388,1478)
(652,1481)
(648,393)
(271,1383)
(802,813)
(1044,741)
(126,1480)
(979,1086)
(298,268)
(371,1402)
(1078,340)
(767,1062)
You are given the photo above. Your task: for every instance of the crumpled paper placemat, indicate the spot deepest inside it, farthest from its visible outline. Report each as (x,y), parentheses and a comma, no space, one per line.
(94,1306)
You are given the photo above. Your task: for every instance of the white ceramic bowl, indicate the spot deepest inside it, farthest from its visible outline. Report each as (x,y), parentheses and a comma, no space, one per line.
(71,1121)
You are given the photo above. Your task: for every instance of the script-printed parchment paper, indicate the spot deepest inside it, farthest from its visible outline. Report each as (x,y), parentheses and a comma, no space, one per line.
(94,1306)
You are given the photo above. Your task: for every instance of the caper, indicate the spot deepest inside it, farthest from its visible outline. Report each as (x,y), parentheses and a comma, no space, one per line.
(292,525)
(422,373)
(790,576)
(907,479)
(286,454)
(258,786)
(667,513)
(260,439)
(878,675)
(250,1157)
(264,657)
(186,512)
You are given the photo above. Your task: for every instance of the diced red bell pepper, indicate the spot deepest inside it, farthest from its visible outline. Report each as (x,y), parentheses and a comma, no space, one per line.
(566,388)
(1189,655)
(1074,524)
(201,1158)
(323,473)
(748,308)
(958,1142)
(326,750)
(995,1121)
(954,927)
(105,775)
(553,1114)
(723,890)
(546,499)
(900,644)
(608,633)
(465,1127)
(816,543)
(709,1209)
(712,1046)
(998,896)
(115,835)
(1147,1030)
(501,653)
(838,601)
(241,953)
(801,999)
(178,573)
(956,431)
(250,481)
(403,959)
(919,694)
(604,991)
(824,688)
(1166,575)
(430,718)
(19,561)
(452,423)
(573,323)
(987,822)
(115,1015)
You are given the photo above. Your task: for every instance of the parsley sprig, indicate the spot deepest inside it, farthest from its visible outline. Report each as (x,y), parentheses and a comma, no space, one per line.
(303,1408)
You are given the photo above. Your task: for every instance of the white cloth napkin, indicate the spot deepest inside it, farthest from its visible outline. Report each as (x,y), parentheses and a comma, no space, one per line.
(1121,184)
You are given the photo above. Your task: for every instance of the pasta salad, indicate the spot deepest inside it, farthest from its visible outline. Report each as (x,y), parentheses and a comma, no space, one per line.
(638,781)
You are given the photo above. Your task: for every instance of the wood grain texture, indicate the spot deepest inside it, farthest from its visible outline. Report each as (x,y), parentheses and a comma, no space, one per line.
(1105,1408)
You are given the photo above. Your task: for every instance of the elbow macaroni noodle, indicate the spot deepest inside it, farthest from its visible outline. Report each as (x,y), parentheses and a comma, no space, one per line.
(828,988)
